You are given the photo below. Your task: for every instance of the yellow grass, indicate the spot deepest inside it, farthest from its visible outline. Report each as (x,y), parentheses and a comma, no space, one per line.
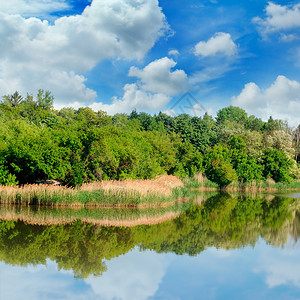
(112,193)
(162,185)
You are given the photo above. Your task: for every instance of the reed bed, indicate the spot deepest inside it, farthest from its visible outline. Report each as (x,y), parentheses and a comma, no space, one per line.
(36,195)
(267,185)
(163,185)
(200,181)
(162,191)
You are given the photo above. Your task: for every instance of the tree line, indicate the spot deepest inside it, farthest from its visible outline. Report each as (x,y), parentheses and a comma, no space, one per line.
(75,146)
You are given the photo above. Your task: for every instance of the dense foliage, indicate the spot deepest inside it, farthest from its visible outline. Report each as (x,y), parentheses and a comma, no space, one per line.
(39,143)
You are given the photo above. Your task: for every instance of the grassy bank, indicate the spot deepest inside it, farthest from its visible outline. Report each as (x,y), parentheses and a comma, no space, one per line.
(59,196)
(267,185)
(161,192)
(200,182)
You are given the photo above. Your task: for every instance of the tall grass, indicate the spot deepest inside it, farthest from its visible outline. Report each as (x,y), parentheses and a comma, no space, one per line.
(61,196)
(122,195)
(199,181)
(266,185)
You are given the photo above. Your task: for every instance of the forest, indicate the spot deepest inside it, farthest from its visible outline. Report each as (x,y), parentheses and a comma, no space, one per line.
(76,146)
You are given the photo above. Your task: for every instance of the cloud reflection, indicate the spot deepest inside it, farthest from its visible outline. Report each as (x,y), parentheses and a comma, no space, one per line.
(133,276)
(39,282)
(280,267)
(136,275)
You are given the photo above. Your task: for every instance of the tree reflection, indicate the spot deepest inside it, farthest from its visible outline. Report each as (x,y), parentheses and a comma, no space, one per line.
(223,221)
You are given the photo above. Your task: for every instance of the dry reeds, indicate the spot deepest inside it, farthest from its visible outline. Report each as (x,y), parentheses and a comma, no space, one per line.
(128,193)
(162,185)
(34,194)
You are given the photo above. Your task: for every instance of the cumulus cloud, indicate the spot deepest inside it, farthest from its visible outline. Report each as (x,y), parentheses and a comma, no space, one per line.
(279,17)
(35,53)
(220,43)
(281,100)
(134,98)
(157,77)
(157,83)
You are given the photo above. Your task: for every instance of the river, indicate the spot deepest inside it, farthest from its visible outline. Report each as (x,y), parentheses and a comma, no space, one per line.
(228,247)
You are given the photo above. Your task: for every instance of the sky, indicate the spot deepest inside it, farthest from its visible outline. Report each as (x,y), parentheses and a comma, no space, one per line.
(171,56)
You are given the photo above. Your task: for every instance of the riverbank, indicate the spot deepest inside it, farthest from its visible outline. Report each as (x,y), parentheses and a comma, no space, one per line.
(163,191)
(199,182)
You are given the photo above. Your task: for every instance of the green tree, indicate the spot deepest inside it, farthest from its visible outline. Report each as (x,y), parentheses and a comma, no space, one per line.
(218,166)
(277,165)
(232,113)
(188,160)
(44,99)
(247,168)
(296,142)
(13,100)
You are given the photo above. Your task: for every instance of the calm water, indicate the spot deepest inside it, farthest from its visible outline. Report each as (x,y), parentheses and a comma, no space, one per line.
(231,247)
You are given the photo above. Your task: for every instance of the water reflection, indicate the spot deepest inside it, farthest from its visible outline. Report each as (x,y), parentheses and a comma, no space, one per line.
(224,245)
(248,273)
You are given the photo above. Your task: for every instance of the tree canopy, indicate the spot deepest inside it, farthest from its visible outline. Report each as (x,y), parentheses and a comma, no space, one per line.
(75,146)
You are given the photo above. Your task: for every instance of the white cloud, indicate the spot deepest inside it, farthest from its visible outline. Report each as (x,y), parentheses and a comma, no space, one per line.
(134,98)
(157,77)
(289,37)
(281,100)
(35,54)
(220,43)
(31,8)
(250,97)
(173,52)
(154,90)
(279,17)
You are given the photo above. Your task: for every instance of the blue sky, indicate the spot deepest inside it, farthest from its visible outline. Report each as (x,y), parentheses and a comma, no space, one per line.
(121,55)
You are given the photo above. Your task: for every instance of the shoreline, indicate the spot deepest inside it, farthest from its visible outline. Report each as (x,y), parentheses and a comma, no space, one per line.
(160,192)
(163,191)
